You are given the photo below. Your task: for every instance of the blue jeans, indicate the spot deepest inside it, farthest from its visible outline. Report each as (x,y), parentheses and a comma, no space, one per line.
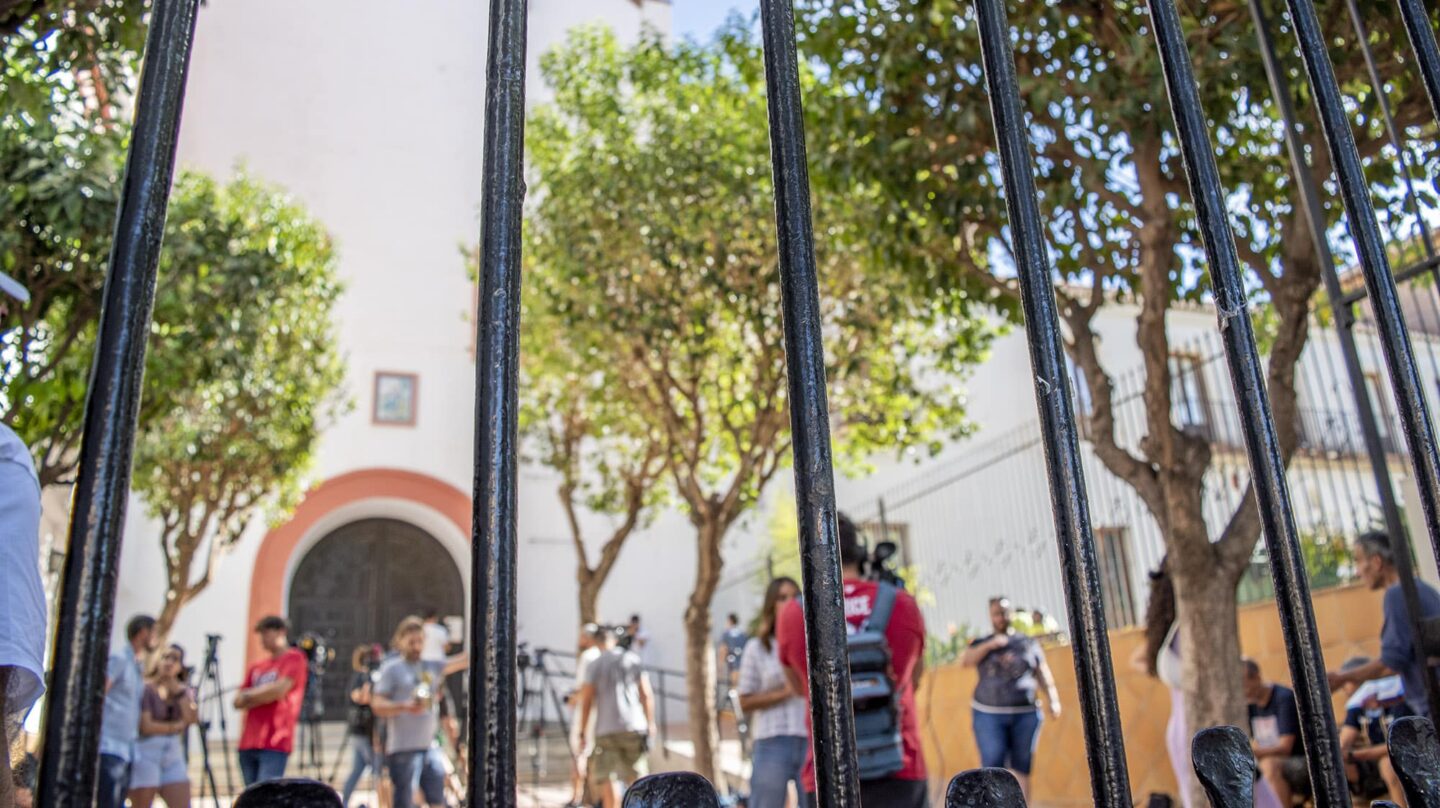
(259,765)
(362,757)
(775,763)
(1007,740)
(411,770)
(114,782)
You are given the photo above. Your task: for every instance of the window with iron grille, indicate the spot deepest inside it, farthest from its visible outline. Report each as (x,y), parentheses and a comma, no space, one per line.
(1112,548)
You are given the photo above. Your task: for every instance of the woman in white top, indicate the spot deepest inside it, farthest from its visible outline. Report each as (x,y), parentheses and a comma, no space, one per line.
(776,713)
(1160,657)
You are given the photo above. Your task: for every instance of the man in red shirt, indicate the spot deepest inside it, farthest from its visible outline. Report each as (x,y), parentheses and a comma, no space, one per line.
(905,635)
(271,695)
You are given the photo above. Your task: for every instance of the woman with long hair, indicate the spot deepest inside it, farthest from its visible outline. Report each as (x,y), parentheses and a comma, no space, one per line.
(1160,657)
(776,713)
(166,711)
(360,724)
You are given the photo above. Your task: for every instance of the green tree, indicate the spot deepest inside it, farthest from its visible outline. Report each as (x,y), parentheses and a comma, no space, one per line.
(908,113)
(651,247)
(61,151)
(242,368)
(242,375)
(610,460)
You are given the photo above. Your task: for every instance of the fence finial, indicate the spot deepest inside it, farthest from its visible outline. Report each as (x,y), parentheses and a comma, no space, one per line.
(1225,765)
(1415,752)
(984,788)
(293,793)
(672,790)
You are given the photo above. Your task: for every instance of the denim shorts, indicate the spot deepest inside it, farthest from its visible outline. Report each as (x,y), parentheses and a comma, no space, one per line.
(1007,740)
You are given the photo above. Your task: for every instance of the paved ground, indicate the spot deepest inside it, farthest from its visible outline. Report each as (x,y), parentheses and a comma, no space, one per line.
(543,770)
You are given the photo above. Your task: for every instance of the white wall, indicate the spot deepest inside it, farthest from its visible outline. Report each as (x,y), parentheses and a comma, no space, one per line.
(372,117)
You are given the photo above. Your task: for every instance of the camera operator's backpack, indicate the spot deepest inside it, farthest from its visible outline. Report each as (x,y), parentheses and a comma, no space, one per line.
(873,691)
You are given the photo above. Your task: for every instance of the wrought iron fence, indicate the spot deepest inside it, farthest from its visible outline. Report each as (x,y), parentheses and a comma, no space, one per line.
(68,770)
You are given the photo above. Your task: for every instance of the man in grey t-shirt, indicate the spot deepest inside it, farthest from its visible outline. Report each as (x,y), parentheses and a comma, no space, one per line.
(407,697)
(617,690)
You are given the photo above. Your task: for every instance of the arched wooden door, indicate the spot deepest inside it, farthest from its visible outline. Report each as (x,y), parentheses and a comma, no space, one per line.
(357,583)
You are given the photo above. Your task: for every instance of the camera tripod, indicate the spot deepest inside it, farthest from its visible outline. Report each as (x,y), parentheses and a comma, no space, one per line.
(312,711)
(209,695)
(537,683)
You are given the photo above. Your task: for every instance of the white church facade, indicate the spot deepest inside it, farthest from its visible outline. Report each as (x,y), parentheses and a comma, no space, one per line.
(373,119)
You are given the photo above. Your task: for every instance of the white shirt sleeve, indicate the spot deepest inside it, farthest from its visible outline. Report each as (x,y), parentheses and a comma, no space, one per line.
(751,668)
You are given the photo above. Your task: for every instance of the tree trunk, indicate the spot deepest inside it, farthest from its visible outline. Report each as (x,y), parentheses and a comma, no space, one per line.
(169,613)
(1209,644)
(700,653)
(589,593)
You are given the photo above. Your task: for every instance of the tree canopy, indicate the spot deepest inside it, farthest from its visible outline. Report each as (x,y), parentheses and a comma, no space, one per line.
(909,115)
(651,249)
(242,370)
(243,373)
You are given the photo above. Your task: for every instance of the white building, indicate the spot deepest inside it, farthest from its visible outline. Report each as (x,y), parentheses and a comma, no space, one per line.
(976,520)
(372,116)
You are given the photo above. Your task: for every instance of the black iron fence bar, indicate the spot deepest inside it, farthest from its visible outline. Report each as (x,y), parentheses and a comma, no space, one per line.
(86,610)
(1362,38)
(1104,745)
(1364,229)
(1411,272)
(1267,469)
(836,775)
(1427,54)
(493,549)
(1344,329)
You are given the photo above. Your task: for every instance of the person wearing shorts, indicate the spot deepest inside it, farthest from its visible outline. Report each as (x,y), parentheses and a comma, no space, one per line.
(167,709)
(617,691)
(1005,711)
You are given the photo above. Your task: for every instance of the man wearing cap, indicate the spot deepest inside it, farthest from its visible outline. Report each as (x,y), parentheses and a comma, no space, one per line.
(271,695)
(22,599)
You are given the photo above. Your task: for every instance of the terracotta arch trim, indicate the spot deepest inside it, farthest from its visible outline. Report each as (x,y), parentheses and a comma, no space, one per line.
(267,581)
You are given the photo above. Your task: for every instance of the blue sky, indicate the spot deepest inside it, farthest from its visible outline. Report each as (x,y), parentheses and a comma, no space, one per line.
(700,18)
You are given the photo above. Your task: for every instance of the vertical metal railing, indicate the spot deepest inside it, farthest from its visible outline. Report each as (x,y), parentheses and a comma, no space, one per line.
(1369,245)
(836,774)
(492,746)
(1105,747)
(1344,311)
(1427,54)
(86,609)
(72,720)
(1262,445)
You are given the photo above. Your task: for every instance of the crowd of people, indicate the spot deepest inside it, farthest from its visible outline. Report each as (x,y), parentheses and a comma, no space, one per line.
(400,719)
(394,727)
(1378,691)
(1015,689)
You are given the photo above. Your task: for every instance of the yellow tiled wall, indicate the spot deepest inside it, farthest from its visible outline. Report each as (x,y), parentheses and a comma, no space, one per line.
(1349,621)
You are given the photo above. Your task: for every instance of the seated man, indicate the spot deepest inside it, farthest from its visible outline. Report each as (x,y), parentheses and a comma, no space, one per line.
(1275,734)
(1370,708)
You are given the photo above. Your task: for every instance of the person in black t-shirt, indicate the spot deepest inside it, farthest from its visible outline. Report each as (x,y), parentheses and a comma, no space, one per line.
(1275,734)
(361,720)
(1005,711)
